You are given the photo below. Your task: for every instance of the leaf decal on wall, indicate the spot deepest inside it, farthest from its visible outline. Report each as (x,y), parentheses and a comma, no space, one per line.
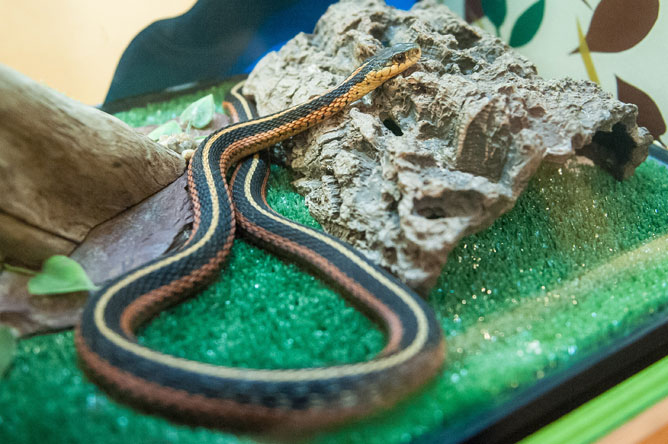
(495,10)
(649,114)
(586,55)
(526,26)
(473,10)
(587,3)
(618,25)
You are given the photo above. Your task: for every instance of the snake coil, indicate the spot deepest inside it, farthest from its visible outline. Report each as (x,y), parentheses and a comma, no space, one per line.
(283,400)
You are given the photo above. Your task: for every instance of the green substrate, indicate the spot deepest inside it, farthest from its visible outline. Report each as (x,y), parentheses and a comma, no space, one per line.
(580,262)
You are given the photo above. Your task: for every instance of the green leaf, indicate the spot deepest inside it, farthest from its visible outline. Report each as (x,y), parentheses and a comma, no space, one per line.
(495,10)
(200,113)
(60,274)
(526,26)
(7,348)
(166,129)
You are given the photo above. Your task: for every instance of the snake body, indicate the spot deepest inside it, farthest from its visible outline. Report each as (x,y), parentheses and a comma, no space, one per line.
(259,399)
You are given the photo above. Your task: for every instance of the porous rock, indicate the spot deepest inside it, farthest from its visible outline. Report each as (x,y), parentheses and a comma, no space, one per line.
(188,140)
(440,151)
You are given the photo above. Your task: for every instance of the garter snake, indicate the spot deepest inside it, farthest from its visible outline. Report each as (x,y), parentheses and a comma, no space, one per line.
(260,399)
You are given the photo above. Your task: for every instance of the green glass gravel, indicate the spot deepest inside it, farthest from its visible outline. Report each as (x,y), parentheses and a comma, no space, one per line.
(578,263)
(160,112)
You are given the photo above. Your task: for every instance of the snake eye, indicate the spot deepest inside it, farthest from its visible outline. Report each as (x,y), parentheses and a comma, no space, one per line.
(399,58)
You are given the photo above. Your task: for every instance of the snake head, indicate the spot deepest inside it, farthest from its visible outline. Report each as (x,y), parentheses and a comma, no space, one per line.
(388,62)
(399,55)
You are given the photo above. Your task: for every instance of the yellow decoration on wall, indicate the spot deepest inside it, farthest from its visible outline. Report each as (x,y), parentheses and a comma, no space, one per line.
(586,56)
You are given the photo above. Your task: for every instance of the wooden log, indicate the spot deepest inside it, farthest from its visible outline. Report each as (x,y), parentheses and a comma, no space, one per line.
(66,167)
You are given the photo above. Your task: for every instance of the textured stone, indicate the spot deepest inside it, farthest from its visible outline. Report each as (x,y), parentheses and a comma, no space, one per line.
(190,138)
(440,151)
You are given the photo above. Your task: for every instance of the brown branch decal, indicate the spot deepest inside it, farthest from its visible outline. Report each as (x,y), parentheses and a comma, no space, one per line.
(618,25)
(473,10)
(649,114)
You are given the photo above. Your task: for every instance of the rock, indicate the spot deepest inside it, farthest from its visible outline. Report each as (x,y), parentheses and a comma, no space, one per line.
(188,140)
(178,142)
(440,151)
(66,167)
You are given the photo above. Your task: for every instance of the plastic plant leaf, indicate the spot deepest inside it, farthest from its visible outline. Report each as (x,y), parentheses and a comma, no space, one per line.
(166,129)
(527,25)
(7,348)
(495,10)
(60,274)
(649,114)
(618,25)
(199,113)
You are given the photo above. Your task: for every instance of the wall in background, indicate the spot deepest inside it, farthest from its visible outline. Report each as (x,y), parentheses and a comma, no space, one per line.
(73,46)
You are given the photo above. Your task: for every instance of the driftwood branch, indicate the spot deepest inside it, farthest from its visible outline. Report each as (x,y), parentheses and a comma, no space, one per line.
(66,167)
